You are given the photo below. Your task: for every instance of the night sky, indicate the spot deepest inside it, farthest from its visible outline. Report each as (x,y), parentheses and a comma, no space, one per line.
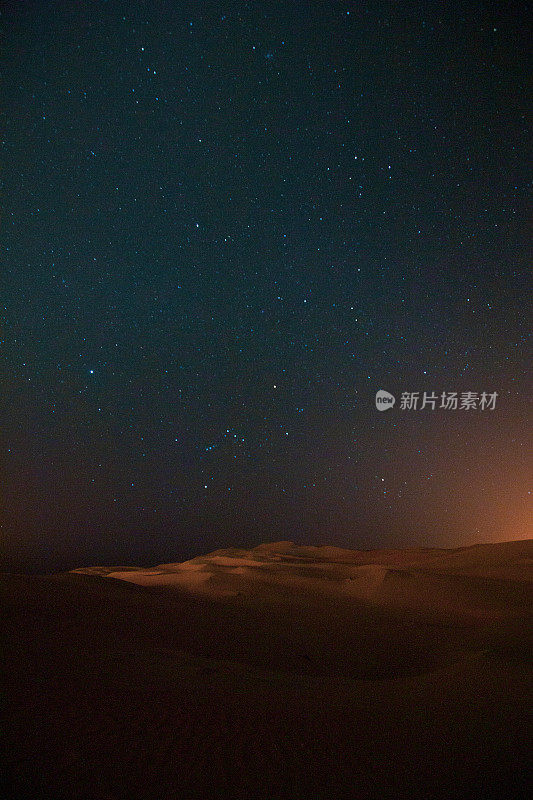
(225,227)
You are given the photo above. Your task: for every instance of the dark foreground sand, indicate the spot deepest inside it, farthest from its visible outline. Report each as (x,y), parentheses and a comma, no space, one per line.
(281,672)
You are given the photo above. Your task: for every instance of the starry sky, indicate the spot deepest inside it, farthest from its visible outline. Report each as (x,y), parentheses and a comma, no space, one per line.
(225,227)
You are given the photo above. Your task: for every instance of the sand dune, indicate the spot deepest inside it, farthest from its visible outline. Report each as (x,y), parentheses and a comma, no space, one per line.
(480,580)
(276,673)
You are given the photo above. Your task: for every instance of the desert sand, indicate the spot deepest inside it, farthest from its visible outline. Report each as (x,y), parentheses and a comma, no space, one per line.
(278,672)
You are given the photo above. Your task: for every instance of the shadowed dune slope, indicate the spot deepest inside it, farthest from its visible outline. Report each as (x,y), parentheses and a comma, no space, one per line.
(277,673)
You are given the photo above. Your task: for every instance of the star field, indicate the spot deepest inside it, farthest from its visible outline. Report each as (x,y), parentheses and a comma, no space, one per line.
(225,227)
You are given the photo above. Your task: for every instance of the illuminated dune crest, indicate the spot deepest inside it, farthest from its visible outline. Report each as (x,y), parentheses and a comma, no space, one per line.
(485,579)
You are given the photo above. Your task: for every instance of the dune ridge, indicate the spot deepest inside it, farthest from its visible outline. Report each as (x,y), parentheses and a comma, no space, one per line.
(479,580)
